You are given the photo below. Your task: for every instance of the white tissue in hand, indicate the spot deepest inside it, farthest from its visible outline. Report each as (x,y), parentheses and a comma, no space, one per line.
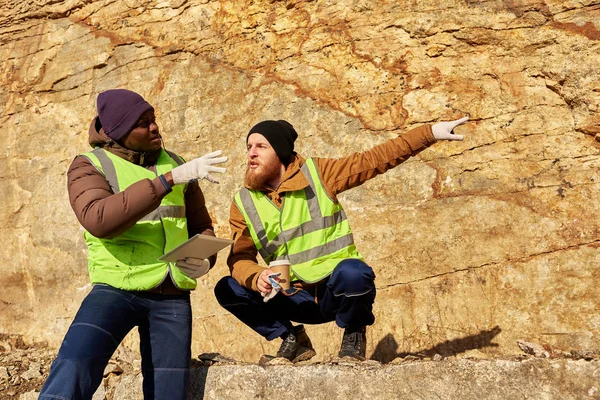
(271,294)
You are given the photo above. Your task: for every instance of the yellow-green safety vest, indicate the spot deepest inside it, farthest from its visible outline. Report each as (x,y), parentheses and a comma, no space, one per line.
(129,261)
(310,229)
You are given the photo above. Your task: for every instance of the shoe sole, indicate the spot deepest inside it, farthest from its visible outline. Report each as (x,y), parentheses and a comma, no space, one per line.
(352,357)
(305,355)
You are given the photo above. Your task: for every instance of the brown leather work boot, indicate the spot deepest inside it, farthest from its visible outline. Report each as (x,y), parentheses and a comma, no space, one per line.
(354,343)
(297,346)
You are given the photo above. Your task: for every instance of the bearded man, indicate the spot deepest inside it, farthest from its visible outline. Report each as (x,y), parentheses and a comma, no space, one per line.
(288,210)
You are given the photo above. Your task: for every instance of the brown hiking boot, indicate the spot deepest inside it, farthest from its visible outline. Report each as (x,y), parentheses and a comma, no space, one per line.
(297,346)
(354,343)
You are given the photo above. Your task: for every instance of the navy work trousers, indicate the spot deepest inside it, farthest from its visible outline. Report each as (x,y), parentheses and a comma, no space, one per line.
(346,297)
(105,317)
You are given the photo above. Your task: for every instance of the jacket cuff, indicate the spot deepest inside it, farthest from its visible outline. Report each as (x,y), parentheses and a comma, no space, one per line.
(256,271)
(163,180)
(255,283)
(419,137)
(159,188)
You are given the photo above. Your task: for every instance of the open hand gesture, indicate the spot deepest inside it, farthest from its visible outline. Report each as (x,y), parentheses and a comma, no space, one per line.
(443,130)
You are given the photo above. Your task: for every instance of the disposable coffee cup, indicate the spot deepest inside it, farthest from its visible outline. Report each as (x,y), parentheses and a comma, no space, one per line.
(282,266)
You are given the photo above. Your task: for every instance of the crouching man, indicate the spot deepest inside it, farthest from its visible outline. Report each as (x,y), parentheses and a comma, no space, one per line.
(288,210)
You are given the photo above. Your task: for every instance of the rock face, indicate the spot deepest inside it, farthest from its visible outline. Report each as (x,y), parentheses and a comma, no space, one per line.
(475,244)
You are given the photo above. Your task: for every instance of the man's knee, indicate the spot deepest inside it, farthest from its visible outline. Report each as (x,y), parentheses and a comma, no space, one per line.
(78,364)
(223,289)
(352,277)
(353,269)
(228,291)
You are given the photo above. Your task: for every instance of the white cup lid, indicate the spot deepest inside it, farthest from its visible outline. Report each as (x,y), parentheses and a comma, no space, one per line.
(279,262)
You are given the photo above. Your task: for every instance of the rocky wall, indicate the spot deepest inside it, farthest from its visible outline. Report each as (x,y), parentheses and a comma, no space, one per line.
(475,244)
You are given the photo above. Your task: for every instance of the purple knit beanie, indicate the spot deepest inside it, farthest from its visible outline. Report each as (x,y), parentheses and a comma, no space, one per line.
(119,110)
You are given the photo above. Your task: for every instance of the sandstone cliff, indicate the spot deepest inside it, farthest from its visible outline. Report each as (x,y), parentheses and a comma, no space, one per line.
(475,244)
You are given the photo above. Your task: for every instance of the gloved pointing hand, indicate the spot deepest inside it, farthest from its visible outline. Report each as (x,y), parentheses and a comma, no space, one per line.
(443,130)
(193,267)
(199,168)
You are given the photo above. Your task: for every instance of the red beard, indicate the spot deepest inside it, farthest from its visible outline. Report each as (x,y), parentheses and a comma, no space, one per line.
(259,178)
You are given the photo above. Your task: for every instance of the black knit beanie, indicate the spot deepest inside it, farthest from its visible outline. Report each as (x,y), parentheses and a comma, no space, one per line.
(119,110)
(281,136)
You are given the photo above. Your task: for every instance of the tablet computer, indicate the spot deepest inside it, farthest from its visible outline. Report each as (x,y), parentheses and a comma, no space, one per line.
(198,246)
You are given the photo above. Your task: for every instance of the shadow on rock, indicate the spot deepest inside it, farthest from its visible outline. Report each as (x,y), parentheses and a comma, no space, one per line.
(387,349)
(198,374)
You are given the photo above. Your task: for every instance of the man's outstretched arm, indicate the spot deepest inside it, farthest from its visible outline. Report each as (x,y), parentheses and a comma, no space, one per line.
(346,173)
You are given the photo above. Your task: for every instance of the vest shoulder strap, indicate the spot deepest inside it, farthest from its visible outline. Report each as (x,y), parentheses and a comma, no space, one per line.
(179,160)
(104,165)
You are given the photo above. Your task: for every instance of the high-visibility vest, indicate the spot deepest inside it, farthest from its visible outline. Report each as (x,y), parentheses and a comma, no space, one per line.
(310,229)
(129,261)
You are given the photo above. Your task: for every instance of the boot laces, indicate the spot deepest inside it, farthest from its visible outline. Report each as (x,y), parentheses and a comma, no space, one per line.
(288,344)
(352,341)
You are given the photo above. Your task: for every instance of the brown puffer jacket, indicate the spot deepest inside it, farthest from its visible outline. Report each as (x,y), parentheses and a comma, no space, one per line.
(337,175)
(105,214)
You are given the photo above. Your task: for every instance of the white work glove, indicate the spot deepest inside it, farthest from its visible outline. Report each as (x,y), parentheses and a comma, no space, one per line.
(443,130)
(199,168)
(193,267)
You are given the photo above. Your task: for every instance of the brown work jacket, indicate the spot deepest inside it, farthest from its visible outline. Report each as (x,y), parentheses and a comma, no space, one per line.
(337,175)
(105,214)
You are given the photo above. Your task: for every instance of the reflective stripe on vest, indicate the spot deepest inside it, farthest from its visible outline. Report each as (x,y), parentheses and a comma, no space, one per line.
(110,173)
(130,260)
(310,229)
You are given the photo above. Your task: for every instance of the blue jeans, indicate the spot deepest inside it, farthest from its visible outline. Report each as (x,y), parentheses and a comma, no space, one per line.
(105,317)
(346,297)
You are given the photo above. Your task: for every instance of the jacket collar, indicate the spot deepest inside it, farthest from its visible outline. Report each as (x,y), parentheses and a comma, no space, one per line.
(98,138)
(293,178)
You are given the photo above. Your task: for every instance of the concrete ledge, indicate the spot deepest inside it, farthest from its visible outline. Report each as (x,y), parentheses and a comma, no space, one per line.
(446,379)
(463,379)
